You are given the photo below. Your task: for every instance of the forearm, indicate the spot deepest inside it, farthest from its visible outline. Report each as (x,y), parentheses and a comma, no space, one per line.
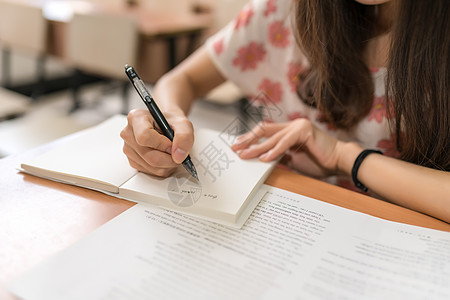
(406,184)
(173,93)
(190,80)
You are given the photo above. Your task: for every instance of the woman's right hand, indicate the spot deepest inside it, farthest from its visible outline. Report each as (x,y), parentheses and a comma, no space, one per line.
(148,150)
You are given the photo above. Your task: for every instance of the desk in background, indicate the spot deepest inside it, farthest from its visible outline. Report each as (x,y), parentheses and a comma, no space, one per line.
(101,39)
(164,39)
(39,217)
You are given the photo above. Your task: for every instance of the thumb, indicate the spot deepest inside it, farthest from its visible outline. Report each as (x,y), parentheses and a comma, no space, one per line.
(183,139)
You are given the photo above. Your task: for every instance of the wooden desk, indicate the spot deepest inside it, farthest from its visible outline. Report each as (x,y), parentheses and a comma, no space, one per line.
(39,217)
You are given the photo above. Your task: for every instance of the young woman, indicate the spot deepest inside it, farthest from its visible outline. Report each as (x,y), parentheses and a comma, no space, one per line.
(348,77)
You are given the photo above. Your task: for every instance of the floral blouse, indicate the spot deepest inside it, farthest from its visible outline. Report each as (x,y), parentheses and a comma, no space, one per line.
(257,51)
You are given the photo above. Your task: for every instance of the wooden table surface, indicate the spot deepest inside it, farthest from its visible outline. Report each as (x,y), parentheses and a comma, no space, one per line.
(40,217)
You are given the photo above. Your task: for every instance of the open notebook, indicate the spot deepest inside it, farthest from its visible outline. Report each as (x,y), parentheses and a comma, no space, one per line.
(227,192)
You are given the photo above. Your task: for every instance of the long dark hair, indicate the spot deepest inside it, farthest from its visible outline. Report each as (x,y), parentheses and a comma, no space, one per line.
(334,34)
(418,82)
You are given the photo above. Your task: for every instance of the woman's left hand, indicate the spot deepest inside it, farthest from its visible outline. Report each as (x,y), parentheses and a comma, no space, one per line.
(309,149)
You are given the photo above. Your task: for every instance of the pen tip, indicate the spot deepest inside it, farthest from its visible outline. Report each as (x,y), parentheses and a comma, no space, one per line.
(194,174)
(196,177)
(189,166)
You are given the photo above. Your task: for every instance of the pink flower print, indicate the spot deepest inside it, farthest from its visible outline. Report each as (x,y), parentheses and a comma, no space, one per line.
(278,34)
(296,115)
(251,97)
(389,147)
(374,69)
(293,75)
(270,7)
(378,111)
(249,57)
(272,90)
(218,46)
(244,17)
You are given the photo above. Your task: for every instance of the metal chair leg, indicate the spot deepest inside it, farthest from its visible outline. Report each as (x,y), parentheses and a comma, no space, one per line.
(6,67)
(39,87)
(125,98)
(76,84)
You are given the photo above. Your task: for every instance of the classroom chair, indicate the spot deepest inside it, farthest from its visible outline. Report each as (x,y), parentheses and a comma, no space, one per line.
(23,29)
(102,45)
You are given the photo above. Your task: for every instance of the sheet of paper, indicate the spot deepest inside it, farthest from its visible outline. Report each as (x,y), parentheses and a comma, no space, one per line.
(292,247)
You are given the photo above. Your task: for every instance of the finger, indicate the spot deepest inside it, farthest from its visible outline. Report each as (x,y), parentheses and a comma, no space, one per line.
(148,156)
(295,134)
(145,134)
(244,141)
(284,143)
(183,138)
(263,129)
(263,147)
(137,162)
(277,144)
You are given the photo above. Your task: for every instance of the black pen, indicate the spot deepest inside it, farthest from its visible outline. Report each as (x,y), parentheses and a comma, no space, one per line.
(156,113)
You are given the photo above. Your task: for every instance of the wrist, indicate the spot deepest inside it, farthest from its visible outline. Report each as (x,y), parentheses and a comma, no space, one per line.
(347,154)
(174,94)
(173,111)
(359,160)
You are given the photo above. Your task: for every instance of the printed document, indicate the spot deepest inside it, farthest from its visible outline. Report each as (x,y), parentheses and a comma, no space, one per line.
(291,247)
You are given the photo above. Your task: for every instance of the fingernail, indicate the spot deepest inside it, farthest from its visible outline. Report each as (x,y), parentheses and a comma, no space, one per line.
(239,139)
(235,147)
(242,154)
(265,155)
(179,155)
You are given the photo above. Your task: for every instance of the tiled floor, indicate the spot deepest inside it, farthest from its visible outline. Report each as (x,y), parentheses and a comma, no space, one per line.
(48,118)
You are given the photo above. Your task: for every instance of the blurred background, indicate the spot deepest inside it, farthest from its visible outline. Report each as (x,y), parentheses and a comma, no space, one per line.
(61,66)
